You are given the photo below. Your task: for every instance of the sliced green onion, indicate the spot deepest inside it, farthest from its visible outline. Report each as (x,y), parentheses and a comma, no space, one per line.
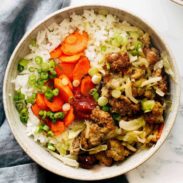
(45,66)
(51,147)
(44,75)
(103,48)
(116,116)
(22,64)
(147,105)
(24,115)
(52,64)
(49,95)
(59,115)
(19,105)
(96,78)
(18,96)
(44,88)
(106,108)
(102,101)
(55,92)
(50,133)
(38,60)
(116,93)
(45,128)
(95,94)
(92,71)
(31,99)
(32,69)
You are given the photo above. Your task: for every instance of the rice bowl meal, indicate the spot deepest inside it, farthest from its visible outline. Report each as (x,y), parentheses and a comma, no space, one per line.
(93,90)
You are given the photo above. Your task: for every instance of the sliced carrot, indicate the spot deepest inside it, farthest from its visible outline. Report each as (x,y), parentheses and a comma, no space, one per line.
(70,59)
(35,109)
(75,43)
(86,85)
(63,76)
(40,101)
(69,117)
(54,105)
(81,68)
(56,52)
(65,91)
(65,68)
(57,128)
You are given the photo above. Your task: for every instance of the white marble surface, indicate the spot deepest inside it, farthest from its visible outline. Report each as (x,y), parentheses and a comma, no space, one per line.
(167,164)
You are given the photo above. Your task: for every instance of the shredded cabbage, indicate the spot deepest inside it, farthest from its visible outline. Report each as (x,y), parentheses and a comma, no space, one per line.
(167,65)
(131,125)
(159,92)
(158,65)
(134,136)
(128,91)
(96,149)
(66,160)
(152,80)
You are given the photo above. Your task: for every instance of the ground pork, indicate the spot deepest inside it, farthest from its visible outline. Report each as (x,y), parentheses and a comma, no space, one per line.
(156,115)
(152,55)
(118,61)
(103,159)
(116,150)
(124,106)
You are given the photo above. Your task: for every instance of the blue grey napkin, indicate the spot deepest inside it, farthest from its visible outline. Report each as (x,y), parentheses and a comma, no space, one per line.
(16,17)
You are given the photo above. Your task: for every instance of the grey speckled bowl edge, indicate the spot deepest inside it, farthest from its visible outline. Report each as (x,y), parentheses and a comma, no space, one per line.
(40,155)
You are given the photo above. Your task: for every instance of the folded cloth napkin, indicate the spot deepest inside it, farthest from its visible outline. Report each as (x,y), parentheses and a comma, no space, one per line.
(16,17)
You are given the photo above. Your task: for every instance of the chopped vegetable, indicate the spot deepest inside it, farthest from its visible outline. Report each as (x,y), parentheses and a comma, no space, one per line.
(92,71)
(102,101)
(152,80)
(131,125)
(35,109)
(96,78)
(86,85)
(147,105)
(54,105)
(66,81)
(66,107)
(81,68)
(70,59)
(38,60)
(66,69)
(116,93)
(57,128)
(22,64)
(69,117)
(75,43)
(56,53)
(65,91)
(40,101)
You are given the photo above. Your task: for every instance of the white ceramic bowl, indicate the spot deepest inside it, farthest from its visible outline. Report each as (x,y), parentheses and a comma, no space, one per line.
(41,156)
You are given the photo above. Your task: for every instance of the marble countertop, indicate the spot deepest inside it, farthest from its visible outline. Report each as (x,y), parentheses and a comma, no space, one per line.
(167,164)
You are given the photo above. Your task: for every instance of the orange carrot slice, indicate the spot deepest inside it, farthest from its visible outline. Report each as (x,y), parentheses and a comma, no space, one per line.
(81,68)
(65,91)
(54,105)
(65,68)
(75,43)
(86,85)
(57,128)
(35,109)
(70,59)
(56,52)
(69,117)
(64,78)
(40,101)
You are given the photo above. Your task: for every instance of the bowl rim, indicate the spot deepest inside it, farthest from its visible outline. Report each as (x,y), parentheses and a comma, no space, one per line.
(92,6)
(178,2)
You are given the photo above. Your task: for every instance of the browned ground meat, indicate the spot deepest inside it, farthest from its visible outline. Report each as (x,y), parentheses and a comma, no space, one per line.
(152,55)
(156,115)
(116,150)
(124,106)
(162,85)
(103,159)
(118,62)
(100,125)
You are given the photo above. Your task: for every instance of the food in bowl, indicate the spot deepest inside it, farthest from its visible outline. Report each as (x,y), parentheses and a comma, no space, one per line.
(93,90)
